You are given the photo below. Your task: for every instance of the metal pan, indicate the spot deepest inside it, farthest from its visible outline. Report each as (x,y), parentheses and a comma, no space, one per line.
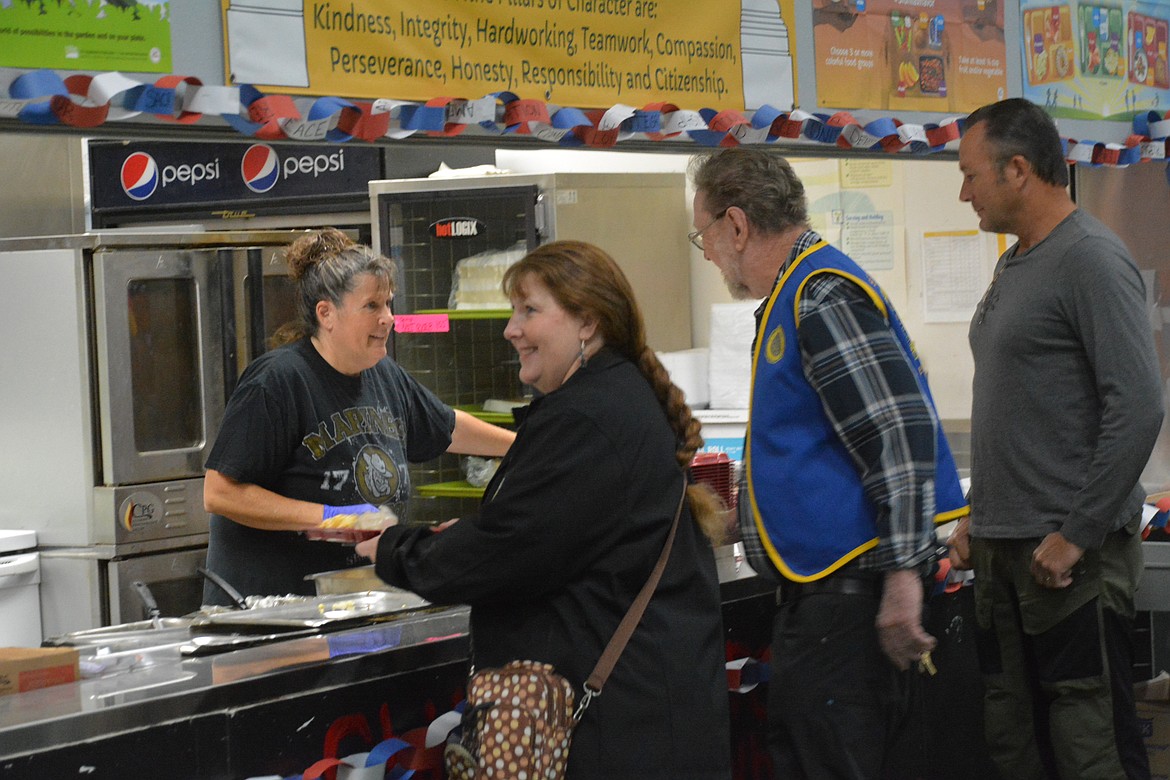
(212,644)
(356,580)
(142,633)
(322,613)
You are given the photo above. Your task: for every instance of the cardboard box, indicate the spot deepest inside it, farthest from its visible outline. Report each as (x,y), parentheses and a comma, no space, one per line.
(1153,711)
(26,669)
(1154,718)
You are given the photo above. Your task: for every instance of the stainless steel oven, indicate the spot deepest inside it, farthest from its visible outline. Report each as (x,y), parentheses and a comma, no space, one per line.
(261,285)
(127,332)
(116,401)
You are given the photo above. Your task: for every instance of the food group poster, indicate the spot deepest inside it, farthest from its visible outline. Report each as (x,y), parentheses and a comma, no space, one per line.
(909,55)
(583,53)
(1097,60)
(86,35)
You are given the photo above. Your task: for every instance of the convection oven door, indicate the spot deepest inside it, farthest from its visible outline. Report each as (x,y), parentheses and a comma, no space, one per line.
(261,285)
(163,321)
(171,576)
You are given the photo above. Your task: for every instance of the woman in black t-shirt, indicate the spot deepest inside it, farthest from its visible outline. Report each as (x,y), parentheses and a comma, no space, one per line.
(323,425)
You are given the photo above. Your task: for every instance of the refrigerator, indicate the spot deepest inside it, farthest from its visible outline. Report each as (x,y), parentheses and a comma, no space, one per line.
(451,240)
(1134,202)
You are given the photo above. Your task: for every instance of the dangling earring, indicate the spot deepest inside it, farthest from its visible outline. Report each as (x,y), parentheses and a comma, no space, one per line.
(581,355)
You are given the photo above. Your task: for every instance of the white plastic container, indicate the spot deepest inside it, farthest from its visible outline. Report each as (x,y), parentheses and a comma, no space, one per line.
(723,430)
(20,590)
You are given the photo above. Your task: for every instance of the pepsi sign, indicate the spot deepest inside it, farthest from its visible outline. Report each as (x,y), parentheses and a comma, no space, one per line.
(316,164)
(190,174)
(260,168)
(164,179)
(139,176)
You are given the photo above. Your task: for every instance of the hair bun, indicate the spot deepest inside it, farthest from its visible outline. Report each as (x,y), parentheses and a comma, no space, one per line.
(315,247)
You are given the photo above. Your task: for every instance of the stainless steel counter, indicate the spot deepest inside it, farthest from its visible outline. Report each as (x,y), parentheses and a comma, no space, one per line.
(165,687)
(275,708)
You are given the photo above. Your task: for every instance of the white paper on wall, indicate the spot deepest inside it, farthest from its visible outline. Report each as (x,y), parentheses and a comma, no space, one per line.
(266,43)
(688,369)
(733,326)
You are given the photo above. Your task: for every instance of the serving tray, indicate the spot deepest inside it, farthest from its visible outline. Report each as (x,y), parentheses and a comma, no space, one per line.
(343,535)
(321,612)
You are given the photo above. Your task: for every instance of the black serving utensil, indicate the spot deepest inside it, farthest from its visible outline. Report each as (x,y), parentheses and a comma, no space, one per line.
(225,586)
(152,610)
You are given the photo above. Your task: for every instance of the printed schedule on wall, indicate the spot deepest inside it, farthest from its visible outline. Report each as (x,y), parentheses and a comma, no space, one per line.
(585,53)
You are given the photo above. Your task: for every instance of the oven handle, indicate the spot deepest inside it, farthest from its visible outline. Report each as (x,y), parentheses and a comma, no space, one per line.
(228,324)
(256,330)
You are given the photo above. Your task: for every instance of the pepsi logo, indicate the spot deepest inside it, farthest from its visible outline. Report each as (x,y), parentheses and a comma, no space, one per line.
(260,168)
(139,176)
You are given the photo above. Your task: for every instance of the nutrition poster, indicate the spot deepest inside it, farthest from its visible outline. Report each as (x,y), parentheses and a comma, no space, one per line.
(909,55)
(582,53)
(1096,60)
(848,202)
(86,35)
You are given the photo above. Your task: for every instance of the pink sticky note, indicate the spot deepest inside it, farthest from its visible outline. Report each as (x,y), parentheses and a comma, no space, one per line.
(422,323)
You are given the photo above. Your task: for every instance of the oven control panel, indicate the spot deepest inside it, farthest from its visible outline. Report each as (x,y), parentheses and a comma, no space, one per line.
(158,510)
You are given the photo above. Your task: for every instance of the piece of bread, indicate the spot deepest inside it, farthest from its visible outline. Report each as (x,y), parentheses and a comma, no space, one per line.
(367,521)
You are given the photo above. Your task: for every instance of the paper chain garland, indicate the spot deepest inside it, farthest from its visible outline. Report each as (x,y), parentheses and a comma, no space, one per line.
(42,97)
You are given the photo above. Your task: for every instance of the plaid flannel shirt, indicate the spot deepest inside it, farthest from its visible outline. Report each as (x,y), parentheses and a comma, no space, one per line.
(870,393)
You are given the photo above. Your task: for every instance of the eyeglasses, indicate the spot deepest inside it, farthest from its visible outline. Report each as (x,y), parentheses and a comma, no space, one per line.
(696,237)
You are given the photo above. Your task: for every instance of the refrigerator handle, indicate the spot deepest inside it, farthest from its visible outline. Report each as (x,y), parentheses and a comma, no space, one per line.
(256,335)
(226,263)
(539,220)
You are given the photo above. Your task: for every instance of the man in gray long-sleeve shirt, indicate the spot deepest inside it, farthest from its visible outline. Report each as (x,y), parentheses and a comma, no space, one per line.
(1066,408)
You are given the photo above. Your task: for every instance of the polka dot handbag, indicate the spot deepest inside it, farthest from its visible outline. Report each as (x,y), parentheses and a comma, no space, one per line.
(518,723)
(518,720)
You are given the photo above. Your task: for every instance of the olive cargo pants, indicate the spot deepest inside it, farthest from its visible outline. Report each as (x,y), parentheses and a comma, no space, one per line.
(1057,664)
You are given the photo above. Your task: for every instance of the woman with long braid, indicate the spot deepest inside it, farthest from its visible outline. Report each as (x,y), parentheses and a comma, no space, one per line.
(575,519)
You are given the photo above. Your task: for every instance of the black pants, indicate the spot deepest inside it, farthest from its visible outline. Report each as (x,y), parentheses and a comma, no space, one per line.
(835,702)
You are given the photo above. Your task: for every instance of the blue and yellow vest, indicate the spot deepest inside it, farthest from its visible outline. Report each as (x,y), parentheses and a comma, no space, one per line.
(806,495)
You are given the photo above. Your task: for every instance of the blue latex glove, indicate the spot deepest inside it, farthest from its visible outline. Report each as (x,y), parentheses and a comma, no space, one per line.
(349,509)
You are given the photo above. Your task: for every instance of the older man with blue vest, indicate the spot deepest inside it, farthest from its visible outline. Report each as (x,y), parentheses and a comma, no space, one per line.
(846,471)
